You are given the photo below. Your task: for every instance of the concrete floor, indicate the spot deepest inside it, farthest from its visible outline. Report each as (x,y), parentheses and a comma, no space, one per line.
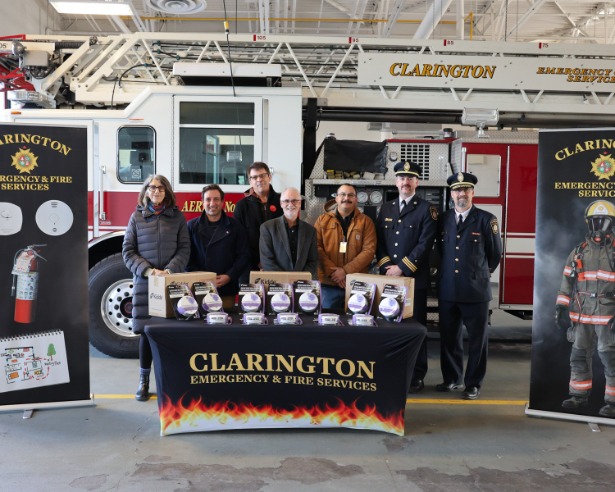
(450,444)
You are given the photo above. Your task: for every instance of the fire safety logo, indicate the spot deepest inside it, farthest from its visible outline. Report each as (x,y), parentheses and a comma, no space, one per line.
(604,167)
(24,161)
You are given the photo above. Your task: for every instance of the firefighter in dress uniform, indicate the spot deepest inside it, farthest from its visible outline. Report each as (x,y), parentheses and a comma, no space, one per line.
(470,246)
(585,307)
(406,228)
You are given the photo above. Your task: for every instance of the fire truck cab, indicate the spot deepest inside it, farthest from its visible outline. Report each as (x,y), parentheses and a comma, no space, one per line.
(192,130)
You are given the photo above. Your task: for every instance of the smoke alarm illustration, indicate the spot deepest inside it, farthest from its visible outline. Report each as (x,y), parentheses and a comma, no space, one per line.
(54,217)
(11,219)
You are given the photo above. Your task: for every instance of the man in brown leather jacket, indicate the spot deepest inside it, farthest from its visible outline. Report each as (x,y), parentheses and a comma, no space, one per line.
(346,244)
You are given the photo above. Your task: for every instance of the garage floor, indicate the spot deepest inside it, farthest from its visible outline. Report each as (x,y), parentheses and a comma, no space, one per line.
(450,444)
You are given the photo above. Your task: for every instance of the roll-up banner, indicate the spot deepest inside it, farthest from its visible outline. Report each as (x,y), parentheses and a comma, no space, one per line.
(44,354)
(573,339)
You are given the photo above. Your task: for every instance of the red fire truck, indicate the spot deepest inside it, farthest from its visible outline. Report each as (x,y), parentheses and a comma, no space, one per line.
(199,108)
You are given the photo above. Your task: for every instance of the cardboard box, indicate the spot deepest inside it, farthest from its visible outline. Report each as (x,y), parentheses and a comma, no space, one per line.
(380,281)
(159,302)
(259,277)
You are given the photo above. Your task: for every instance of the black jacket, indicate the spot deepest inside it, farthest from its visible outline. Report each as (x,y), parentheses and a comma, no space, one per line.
(225,253)
(406,238)
(468,255)
(251,213)
(153,241)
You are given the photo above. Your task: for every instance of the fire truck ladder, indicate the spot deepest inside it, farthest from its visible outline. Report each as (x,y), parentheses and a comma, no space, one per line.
(114,70)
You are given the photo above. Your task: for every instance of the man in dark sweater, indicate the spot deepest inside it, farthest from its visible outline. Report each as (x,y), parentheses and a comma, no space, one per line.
(218,244)
(260,204)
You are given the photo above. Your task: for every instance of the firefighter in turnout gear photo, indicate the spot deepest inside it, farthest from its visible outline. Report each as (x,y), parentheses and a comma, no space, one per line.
(407,227)
(585,307)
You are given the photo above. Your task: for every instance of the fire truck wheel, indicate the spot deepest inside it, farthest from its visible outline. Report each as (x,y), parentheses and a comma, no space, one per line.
(110,289)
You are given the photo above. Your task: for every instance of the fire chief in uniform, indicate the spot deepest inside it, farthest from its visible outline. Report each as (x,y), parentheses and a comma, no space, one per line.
(470,247)
(406,230)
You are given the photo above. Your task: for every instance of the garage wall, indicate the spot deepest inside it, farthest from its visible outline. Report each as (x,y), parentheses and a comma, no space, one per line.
(26,17)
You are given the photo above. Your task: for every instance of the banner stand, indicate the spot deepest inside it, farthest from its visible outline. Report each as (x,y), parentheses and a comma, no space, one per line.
(28,408)
(589,419)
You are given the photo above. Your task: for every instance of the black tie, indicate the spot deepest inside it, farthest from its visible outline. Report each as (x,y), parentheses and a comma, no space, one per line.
(403,204)
(460,221)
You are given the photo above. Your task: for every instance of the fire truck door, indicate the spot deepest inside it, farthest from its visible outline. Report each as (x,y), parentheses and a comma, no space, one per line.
(507,188)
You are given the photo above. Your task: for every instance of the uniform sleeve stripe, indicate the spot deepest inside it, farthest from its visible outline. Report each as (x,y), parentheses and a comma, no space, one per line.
(384,260)
(409,264)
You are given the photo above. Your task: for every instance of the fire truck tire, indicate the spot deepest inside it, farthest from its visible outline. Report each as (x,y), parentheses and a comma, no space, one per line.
(110,293)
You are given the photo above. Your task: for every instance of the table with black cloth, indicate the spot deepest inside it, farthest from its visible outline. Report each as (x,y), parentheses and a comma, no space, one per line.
(218,377)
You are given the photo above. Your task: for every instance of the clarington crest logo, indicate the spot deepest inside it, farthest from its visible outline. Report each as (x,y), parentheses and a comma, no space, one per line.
(25,161)
(604,167)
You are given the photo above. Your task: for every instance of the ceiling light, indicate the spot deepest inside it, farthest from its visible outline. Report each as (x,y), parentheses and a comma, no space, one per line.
(177,6)
(92,7)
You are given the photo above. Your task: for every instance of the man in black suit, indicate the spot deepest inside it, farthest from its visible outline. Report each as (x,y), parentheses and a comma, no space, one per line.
(288,244)
(470,246)
(406,230)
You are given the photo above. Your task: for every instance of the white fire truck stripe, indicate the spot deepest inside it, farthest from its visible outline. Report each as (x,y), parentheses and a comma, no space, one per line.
(520,245)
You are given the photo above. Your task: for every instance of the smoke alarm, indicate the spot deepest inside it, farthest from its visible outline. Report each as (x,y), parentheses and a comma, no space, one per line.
(11,219)
(54,218)
(177,6)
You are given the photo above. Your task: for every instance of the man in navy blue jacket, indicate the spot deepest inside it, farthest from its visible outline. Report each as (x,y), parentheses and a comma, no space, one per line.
(406,230)
(470,247)
(218,244)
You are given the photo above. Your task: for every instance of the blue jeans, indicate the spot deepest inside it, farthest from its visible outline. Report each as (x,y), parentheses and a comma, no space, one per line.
(332,298)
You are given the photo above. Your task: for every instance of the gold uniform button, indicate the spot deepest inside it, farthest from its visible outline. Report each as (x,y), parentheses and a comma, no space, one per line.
(456,259)
(456,271)
(394,256)
(396,232)
(396,244)
(456,247)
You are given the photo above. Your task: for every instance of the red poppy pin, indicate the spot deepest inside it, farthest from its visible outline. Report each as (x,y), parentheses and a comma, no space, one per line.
(272,208)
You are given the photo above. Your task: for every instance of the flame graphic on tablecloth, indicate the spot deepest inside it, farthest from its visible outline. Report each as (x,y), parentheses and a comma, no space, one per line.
(196,416)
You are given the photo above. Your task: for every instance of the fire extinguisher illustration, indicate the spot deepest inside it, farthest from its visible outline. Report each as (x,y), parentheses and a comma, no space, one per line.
(25,282)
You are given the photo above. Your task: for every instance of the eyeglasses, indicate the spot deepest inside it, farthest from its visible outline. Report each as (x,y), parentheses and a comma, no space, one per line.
(347,195)
(153,189)
(256,177)
(295,201)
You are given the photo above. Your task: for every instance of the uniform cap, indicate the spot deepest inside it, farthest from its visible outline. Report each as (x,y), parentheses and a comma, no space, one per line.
(461,180)
(407,168)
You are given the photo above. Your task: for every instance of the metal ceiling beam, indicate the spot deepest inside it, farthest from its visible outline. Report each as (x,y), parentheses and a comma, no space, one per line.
(535,7)
(394,14)
(359,13)
(432,18)
(263,16)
